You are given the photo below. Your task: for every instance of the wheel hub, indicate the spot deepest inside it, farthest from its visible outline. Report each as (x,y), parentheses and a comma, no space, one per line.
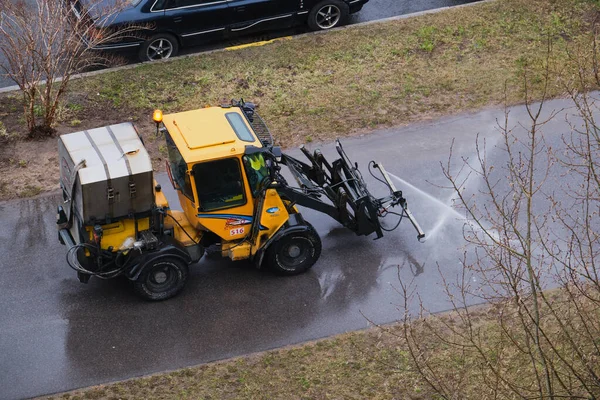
(294,251)
(159,49)
(328,16)
(160,277)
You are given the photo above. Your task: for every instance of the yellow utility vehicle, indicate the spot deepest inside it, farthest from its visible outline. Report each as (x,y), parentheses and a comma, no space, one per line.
(116,220)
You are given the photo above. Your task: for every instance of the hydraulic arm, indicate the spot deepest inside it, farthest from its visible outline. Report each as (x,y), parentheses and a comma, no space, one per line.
(349,200)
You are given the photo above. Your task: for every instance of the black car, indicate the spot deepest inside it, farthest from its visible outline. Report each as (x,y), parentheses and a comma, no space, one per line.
(172,24)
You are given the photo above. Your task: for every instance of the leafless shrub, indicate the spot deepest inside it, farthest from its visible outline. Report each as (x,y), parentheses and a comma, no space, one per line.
(44,43)
(535,251)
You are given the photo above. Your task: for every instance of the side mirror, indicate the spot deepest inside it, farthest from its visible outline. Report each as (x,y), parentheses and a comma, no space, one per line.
(276,151)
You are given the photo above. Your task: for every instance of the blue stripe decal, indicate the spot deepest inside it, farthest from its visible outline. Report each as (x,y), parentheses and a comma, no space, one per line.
(246,218)
(226,216)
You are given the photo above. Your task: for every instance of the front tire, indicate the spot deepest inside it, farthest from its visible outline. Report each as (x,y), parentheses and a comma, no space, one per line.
(328,14)
(161,279)
(159,47)
(294,253)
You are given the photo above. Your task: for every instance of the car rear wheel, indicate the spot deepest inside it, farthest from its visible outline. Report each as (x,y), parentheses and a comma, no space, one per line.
(328,14)
(159,47)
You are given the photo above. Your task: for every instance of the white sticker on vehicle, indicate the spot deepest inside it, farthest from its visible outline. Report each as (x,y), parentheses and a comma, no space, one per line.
(236,231)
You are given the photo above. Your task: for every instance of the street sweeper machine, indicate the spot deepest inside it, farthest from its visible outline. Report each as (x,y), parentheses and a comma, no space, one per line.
(227,173)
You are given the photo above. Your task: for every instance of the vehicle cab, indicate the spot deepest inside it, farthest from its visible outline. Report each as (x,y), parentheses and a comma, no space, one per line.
(217,179)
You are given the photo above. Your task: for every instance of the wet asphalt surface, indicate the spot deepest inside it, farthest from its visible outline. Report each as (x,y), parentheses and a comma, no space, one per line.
(373,10)
(57,334)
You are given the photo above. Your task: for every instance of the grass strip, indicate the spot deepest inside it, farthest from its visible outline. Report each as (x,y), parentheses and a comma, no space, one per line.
(319,87)
(377,364)
(366,365)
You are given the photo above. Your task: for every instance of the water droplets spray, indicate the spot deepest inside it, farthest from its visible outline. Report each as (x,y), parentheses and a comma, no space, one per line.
(447,211)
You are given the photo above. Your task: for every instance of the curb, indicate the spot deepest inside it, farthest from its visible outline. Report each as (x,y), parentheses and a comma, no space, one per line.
(14,88)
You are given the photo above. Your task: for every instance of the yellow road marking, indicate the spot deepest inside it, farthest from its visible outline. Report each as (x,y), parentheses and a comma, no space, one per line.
(255,44)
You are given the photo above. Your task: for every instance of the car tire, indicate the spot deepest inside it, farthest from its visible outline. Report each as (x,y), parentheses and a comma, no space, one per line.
(161,279)
(159,47)
(328,14)
(294,253)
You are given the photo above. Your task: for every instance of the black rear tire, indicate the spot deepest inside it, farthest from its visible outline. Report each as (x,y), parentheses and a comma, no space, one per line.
(161,279)
(294,253)
(328,14)
(159,47)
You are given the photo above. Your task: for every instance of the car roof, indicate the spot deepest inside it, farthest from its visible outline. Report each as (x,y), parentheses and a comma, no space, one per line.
(210,133)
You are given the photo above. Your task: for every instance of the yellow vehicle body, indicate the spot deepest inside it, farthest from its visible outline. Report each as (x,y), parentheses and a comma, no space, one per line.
(233,201)
(233,198)
(118,234)
(201,136)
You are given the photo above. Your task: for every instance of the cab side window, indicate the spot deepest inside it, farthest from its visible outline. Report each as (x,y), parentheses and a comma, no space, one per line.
(178,168)
(219,184)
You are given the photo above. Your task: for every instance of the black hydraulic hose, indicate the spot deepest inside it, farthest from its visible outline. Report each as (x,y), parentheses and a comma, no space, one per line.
(187,234)
(397,225)
(177,222)
(402,215)
(380,180)
(262,192)
(74,263)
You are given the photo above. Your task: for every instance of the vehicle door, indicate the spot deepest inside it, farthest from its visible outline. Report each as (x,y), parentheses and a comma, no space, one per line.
(259,15)
(197,20)
(225,202)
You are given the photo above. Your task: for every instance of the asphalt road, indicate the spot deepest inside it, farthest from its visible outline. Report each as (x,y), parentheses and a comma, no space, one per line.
(373,10)
(57,334)
(379,9)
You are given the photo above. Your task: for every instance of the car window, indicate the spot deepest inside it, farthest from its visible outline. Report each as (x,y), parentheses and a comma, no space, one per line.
(159,5)
(187,3)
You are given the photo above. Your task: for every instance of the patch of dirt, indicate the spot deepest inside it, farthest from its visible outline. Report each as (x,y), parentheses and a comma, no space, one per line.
(42,131)
(30,166)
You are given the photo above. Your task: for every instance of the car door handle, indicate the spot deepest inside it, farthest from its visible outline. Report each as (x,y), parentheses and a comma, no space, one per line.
(177,19)
(240,9)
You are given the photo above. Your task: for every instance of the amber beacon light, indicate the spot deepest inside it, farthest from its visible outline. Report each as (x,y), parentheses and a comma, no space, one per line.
(157,116)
